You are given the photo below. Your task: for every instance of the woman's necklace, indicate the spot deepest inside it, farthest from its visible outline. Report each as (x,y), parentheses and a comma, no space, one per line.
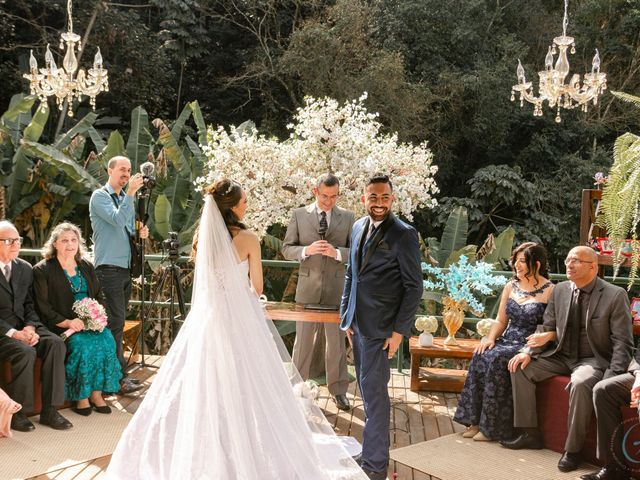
(519,292)
(76,281)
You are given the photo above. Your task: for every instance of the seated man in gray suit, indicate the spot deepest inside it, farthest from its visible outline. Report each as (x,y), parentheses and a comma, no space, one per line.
(608,396)
(587,334)
(318,237)
(23,338)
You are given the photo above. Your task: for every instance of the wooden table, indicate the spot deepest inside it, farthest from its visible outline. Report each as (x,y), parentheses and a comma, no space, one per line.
(439,379)
(295,312)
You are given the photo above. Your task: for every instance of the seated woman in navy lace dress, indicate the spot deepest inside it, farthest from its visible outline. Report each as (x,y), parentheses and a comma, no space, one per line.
(63,277)
(486,404)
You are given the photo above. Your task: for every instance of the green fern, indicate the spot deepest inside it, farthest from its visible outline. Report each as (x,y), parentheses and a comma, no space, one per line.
(619,209)
(627,98)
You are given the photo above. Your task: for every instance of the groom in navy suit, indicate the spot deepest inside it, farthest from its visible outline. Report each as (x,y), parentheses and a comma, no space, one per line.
(382,291)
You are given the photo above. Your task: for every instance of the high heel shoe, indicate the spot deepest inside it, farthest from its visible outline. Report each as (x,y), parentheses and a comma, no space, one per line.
(100,408)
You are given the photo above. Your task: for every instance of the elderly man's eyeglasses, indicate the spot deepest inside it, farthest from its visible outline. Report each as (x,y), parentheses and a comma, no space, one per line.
(11,241)
(575,261)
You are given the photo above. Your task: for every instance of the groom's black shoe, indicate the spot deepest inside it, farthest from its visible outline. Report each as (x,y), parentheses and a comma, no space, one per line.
(21,423)
(50,416)
(375,475)
(569,461)
(608,472)
(532,440)
(342,402)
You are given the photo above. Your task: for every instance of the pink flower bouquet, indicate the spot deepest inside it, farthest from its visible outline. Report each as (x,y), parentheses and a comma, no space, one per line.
(92,315)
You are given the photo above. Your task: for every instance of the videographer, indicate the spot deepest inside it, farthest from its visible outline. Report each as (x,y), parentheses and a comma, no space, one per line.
(112,213)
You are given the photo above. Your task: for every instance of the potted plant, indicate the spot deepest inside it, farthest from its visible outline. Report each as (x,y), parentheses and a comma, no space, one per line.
(461,285)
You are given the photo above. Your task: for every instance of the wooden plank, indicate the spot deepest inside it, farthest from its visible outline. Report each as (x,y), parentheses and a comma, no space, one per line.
(441,379)
(295,312)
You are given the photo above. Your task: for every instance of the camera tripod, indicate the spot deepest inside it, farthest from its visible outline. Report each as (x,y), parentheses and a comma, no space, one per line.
(171,276)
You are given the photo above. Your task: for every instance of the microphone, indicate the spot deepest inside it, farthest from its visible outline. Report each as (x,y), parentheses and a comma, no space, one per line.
(147,169)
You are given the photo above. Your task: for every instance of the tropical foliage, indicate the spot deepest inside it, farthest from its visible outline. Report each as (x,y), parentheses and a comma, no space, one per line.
(620,206)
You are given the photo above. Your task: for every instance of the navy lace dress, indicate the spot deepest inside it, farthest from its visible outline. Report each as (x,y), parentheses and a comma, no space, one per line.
(486,398)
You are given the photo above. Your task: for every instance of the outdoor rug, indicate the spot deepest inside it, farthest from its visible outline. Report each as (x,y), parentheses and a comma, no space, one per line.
(45,450)
(455,458)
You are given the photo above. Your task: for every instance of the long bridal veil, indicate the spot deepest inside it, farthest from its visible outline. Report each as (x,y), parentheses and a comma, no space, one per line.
(227,402)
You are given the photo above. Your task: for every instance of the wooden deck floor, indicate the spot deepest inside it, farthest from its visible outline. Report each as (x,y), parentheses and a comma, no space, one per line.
(414,418)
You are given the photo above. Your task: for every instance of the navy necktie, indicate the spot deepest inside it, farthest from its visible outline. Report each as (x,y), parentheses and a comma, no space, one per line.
(324,226)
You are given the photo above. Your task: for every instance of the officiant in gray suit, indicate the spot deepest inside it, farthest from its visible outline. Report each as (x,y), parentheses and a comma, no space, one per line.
(587,334)
(318,237)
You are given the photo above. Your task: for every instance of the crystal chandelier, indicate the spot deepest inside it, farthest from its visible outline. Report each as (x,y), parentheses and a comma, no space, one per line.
(552,87)
(63,82)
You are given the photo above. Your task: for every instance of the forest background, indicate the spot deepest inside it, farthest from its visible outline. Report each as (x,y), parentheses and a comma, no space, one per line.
(435,70)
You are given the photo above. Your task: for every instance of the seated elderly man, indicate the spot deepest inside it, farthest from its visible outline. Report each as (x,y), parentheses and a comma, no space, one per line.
(23,338)
(608,396)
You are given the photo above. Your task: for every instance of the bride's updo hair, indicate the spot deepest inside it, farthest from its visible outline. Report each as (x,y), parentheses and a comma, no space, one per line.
(227,194)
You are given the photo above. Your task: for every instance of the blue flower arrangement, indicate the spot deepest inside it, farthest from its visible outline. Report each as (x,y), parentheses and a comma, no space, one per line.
(464,281)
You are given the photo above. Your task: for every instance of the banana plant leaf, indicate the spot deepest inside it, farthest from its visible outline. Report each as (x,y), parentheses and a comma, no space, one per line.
(80,128)
(115,147)
(176,131)
(21,164)
(454,236)
(171,149)
(162,216)
(140,139)
(272,243)
(18,115)
(62,162)
(468,251)
(503,246)
(97,139)
(199,119)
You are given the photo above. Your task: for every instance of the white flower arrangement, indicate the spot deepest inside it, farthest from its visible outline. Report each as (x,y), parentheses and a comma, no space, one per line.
(427,324)
(326,136)
(483,327)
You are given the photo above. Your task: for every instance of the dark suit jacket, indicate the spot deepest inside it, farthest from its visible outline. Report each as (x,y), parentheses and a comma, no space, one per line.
(609,324)
(53,295)
(320,278)
(383,291)
(16,300)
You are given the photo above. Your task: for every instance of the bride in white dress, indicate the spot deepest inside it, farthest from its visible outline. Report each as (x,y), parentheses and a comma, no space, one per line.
(227,402)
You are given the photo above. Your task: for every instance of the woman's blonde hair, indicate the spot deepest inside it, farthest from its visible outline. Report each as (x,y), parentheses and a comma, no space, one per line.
(49,250)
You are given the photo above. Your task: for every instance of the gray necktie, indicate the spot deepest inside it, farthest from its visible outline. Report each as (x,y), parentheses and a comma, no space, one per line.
(7,272)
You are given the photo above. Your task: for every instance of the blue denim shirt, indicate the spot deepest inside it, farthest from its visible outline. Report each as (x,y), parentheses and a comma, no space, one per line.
(110,242)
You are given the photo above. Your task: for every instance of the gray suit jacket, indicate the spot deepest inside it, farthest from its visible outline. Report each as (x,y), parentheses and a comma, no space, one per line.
(320,278)
(609,324)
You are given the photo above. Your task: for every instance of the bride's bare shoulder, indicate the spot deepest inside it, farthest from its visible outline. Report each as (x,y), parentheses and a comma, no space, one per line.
(245,236)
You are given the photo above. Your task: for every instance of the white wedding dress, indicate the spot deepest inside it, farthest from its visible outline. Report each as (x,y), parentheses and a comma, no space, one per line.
(227,402)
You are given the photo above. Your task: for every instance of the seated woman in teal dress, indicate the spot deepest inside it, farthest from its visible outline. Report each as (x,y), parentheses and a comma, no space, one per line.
(63,277)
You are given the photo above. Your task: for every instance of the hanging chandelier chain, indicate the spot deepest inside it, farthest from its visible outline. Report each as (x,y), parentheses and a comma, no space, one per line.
(565,21)
(69,16)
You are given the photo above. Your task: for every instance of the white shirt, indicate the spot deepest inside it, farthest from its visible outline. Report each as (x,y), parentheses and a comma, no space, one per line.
(11,331)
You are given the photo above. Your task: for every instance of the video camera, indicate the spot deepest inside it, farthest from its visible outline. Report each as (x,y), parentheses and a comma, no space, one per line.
(172,245)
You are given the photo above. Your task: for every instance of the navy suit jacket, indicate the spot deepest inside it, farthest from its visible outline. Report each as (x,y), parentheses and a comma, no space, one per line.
(383,289)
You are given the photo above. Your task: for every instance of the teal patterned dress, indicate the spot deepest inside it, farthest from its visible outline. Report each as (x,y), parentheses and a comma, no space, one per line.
(91,356)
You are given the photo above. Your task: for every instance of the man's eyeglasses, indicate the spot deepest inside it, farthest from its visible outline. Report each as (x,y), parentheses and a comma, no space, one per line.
(11,241)
(573,261)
